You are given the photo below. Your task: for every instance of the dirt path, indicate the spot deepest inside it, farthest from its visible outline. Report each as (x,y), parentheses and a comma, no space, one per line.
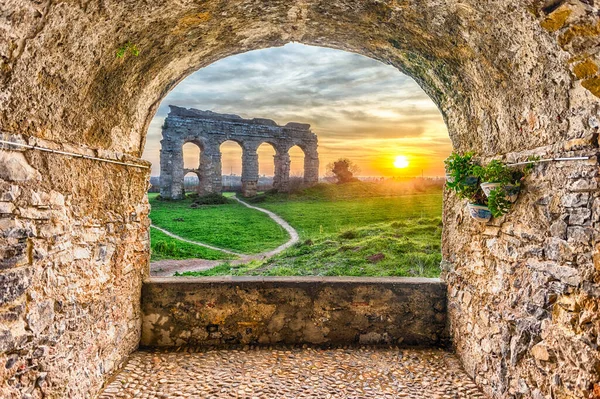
(164,268)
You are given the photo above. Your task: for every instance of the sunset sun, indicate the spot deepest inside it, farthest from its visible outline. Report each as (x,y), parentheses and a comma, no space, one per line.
(401,162)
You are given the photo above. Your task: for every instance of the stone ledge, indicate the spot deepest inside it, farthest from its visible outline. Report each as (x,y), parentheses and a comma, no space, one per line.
(227,311)
(295,280)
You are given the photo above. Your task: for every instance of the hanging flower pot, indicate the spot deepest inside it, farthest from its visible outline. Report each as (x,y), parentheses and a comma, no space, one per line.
(470,181)
(481,213)
(511,190)
(487,187)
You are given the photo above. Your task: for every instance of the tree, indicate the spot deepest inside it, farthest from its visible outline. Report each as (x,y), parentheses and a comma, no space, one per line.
(343,170)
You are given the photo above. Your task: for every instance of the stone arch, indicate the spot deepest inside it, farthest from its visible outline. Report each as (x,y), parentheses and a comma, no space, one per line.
(226,159)
(194,152)
(211,130)
(194,172)
(513,78)
(297,161)
(267,160)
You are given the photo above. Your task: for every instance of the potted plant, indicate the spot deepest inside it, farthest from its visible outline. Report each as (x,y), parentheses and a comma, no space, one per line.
(499,201)
(497,176)
(462,179)
(478,207)
(460,176)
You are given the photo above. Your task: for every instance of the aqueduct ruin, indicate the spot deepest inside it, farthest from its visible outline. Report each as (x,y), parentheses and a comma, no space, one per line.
(208,130)
(513,78)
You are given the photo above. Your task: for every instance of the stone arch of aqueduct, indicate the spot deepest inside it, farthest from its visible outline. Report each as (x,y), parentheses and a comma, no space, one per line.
(208,130)
(512,78)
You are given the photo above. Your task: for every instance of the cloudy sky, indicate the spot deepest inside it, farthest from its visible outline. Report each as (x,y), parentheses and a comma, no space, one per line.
(359,108)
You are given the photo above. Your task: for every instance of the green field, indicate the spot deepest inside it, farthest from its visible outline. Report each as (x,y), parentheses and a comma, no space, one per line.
(165,247)
(393,235)
(231,226)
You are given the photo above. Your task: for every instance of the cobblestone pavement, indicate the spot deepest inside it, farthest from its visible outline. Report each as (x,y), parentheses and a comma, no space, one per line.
(293,373)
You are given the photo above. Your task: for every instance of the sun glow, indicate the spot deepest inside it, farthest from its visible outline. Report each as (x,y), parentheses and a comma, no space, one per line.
(401,162)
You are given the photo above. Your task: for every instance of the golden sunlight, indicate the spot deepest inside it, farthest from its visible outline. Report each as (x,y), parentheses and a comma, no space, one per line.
(401,162)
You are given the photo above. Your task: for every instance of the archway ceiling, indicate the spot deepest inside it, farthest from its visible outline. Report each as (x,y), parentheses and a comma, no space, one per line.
(500,79)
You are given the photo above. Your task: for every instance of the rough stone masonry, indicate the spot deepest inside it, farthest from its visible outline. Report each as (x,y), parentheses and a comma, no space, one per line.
(512,78)
(208,130)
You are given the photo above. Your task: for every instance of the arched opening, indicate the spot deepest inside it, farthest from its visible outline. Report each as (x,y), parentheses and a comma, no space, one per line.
(296,168)
(191,156)
(266,166)
(231,166)
(513,80)
(191,182)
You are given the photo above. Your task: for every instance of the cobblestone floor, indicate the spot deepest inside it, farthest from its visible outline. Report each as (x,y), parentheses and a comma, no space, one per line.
(293,373)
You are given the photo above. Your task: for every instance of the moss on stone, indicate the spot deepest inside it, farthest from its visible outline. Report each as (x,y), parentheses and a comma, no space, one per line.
(593,85)
(190,20)
(585,69)
(556,20)
(574,31)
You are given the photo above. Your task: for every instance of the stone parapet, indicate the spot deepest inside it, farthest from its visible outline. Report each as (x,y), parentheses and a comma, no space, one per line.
(294,310)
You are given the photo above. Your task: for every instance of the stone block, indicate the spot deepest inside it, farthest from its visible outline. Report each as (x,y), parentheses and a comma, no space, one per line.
(577,235)
(575,200)
(14,167)
(579,216)
(40,316)
(540,352)
(13,283)
(558,250)
(7,207)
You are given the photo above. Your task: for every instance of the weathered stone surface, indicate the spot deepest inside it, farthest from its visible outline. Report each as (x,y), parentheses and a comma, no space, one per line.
(266,311)
(14,167)
(13,284)
(208,130)
(71,263)
(513,78)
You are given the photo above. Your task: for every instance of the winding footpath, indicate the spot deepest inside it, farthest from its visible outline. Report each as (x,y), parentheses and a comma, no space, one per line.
(164,268)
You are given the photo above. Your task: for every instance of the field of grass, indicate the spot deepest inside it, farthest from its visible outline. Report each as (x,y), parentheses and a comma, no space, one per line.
(387,235)
(165,247)
(318,218)
(229,226)
(408,248)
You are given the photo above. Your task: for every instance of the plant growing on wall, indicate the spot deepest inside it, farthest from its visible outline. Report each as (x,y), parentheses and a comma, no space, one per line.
(462,179)
(499,188)
(494,172)
(500,184)
(127,48)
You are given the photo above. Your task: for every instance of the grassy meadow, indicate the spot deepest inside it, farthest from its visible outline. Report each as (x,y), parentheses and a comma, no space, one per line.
(230,226)
(358,229)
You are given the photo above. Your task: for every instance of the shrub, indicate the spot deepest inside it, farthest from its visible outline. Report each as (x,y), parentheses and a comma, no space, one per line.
(165,247)
(211,199)
(296,184)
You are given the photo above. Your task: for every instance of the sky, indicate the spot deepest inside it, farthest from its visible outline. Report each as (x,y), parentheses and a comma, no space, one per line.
(359,108)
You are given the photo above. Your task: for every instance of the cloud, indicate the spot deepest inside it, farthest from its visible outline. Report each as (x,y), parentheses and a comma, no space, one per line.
(359,107)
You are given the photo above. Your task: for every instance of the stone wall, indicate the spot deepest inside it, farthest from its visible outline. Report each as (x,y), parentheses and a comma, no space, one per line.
(295,310)
(523,289)
(73,252)
(524,293)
